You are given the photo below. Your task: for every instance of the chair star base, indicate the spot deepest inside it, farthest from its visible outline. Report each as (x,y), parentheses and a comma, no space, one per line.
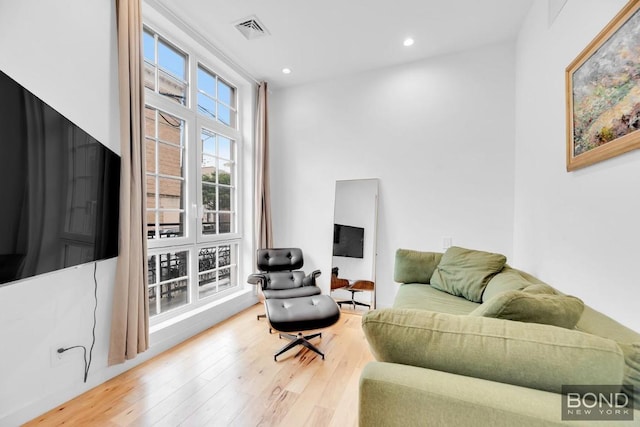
(299,340)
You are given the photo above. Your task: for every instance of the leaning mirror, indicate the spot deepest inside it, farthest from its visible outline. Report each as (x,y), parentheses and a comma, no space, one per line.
(354,244)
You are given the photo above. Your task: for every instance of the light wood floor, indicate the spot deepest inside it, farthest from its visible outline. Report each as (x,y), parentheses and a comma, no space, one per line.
(226,376)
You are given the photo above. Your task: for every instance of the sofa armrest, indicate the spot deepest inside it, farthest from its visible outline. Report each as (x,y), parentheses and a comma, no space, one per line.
(400,395)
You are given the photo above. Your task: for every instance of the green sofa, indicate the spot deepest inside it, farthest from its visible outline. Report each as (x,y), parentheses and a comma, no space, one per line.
(446,356)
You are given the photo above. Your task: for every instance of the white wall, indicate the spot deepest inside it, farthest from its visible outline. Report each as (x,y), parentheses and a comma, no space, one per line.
(438,133)
(65,53)
(579,231)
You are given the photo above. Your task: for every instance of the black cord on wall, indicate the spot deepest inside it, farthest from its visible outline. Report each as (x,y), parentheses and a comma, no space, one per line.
(87,362)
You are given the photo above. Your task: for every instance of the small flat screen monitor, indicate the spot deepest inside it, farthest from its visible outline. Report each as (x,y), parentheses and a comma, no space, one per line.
(348,241)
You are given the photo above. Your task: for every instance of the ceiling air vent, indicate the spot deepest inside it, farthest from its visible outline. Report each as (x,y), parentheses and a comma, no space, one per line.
(251,28)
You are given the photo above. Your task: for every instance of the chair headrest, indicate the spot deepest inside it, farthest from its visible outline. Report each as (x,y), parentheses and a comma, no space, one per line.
(280,259)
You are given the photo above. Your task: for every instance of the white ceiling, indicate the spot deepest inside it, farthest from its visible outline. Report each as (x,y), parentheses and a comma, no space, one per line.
(322,39)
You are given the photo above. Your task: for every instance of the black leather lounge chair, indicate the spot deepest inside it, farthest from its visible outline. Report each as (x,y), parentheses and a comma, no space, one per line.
(292,299)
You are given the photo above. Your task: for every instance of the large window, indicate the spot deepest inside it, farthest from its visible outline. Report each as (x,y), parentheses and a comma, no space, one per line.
(192,174)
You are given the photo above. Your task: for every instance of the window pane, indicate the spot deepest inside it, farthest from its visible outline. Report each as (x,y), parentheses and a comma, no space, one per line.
(224,147)
(150,122)
(224,93)
(170,160)
(172,88)
(165,68)
(206,106)
(151,224)
(225,173)
(224,194)
(168,286)
(216,269)
(207,259)
(171,60)
(225,223)
(224,114)
(171,193)
(224,276)
(209,223)
(149,76)
(208,142)
(206,82)
(208,193)
(150,155)
(173,265)
(151,192)
(209,166)
(151,275)
(148,44)
(224,256)
(170,224)
(170,128)
(208,274)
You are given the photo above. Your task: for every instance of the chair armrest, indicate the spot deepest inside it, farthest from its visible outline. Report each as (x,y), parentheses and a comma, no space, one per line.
(310,279)
(257,279)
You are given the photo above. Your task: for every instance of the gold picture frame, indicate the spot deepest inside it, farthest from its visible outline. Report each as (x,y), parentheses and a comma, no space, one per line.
(603,93)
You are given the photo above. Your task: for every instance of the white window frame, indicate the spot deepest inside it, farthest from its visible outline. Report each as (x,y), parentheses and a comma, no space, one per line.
(193,239)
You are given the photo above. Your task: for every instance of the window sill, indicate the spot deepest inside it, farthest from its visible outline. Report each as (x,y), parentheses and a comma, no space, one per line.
(199,310)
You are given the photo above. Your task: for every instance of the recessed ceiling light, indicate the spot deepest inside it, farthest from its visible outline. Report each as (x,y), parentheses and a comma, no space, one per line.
(286,70)
(408,41)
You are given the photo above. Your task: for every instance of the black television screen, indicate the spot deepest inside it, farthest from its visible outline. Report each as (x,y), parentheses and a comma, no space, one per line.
(59,189)
(348,241)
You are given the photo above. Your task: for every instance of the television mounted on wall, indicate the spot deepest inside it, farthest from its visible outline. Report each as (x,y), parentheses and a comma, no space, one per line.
(59,189)
(348,241)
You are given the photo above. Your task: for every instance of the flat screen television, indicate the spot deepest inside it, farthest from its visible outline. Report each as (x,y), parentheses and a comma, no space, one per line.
(348,241)
(59,189)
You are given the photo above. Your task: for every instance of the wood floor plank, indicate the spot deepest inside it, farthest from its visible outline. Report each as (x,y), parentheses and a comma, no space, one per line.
(226,376)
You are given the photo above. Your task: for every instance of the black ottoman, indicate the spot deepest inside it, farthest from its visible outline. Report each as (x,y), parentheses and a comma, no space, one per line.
(301,314)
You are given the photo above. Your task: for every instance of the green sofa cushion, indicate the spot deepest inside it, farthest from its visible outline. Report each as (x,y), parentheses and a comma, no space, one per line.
(522,306)
(540,288)
(425,297)
(527,354)
(415,266)
(466,272)
(631,380)
(511,279)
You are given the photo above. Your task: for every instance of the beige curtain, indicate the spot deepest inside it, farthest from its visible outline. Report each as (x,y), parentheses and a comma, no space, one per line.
(264,233)
(130,312)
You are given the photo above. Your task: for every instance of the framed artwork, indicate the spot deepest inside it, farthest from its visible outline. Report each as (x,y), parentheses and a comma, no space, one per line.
(603,93)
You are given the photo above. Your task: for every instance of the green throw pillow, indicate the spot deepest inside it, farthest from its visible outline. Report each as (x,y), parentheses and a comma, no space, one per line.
(527,354)
(466,272)
(415,266)
(557,310)
(511,279)
(631,380)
